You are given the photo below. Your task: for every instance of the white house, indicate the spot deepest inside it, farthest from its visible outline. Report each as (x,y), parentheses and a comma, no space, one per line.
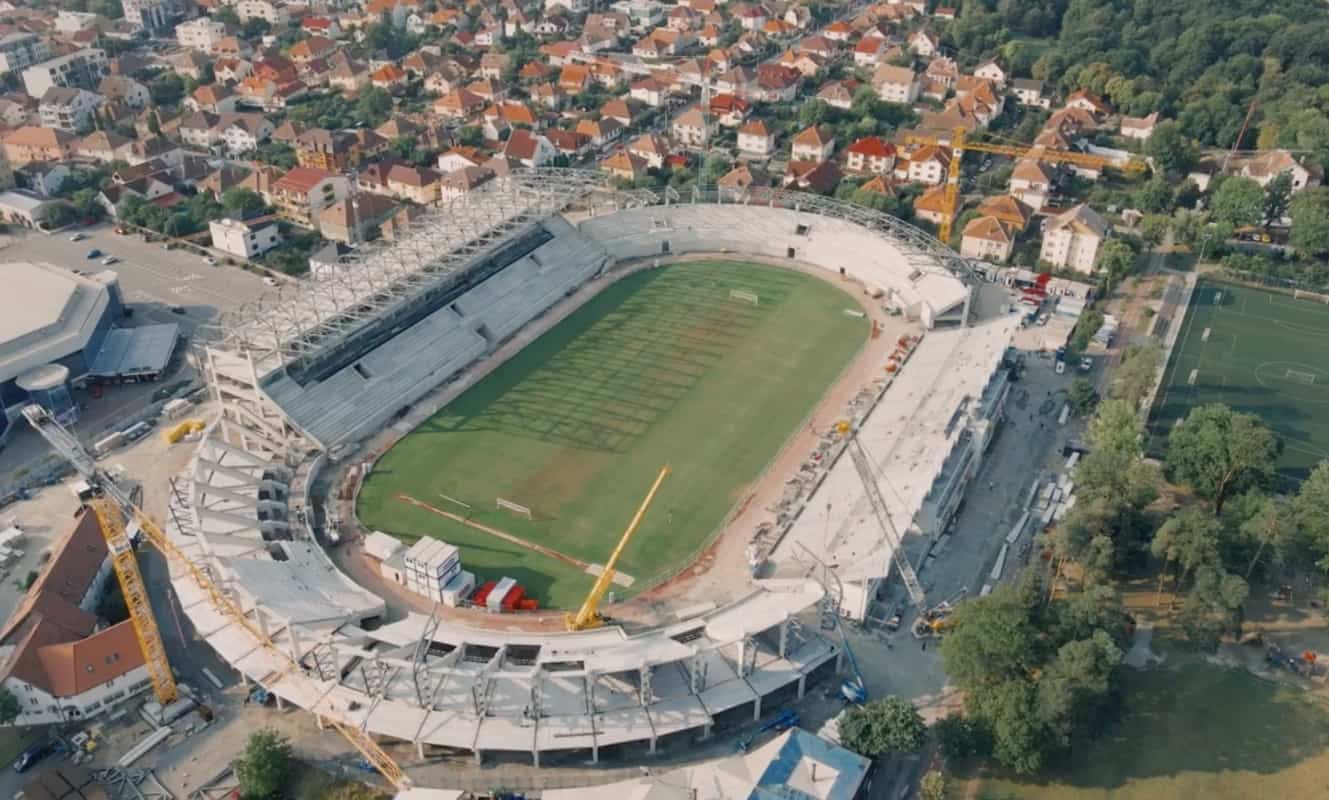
(1031,183)
(1139,128)
(993,71)
(244,240)
(200,34)
(813,144)
(68,109)
(1031,92)
(895,84)
(1072,239)
(987,239)
(54,659)
(755,139)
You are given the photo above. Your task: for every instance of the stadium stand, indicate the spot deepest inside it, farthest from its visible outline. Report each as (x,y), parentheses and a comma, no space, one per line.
(923,290)
(375,380)
(301,374)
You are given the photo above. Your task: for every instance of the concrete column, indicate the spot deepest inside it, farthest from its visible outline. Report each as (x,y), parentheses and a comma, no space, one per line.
(535,757)
(653,741)
(280,705)
(756,709)
(295,642)
(784,637)
(839,663)
(420,749)
(743,657)
(318,720)
(595,751)
(802,685)
(706,731)
(479,762)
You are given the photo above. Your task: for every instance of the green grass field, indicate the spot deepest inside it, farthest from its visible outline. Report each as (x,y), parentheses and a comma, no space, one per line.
(1264,354)
(1197,732)
(659,368)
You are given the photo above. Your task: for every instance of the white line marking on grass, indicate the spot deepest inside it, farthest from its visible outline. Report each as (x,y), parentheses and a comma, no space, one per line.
(1190,381)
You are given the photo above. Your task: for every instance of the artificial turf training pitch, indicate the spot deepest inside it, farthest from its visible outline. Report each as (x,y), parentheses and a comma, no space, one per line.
(662,367)
(1260,352)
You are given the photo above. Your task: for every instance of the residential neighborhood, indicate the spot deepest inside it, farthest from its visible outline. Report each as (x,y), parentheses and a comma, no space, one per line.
(174,120)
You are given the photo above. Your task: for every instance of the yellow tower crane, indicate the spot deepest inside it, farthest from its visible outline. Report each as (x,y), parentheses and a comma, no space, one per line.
(113,506)
(960,144)
(588,616)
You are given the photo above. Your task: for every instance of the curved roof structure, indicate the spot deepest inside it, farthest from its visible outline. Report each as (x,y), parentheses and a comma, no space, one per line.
(55,314)
(240,510)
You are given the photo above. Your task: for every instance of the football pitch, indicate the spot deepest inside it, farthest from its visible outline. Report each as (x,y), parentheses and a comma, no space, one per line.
(1260,352)
(663,367)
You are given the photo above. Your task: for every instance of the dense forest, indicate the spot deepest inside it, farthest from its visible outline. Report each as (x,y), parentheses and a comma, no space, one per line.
(1201,62)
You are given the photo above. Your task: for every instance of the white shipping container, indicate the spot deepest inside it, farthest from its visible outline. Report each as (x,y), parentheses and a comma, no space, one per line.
(495,600)
(458,589)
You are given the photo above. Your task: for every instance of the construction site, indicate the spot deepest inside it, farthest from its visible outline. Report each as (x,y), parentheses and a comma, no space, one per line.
(825,573)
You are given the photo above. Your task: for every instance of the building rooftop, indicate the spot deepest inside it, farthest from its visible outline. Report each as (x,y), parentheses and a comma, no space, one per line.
(53,313)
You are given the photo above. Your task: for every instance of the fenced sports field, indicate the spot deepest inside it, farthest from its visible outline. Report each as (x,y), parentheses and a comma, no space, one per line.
(1258,351)
(705,366)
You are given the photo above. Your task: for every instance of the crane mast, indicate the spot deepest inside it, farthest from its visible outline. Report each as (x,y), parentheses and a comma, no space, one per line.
(113,506)
(882,514)
(588,616)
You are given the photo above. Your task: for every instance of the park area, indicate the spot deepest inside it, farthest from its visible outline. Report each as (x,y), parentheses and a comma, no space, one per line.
(1195,731)
(1260,352)
(673,366)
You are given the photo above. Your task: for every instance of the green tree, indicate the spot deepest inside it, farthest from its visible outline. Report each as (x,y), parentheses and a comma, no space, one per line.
(717,165)
(1077,691)
(1270,525)
(1238,202)
(55,215)
(1189,540)
(1135,377)
(264,766)
(1310,221)
(9,706)
(1081,396)
(277,154)
(932,786)
(1155,196)
(372,107)
(1116,260)
(241,202)
(85,205)
(167,90)
(1217,452)
(994,639)
(1171,149)
(887,726)
(1020,741)
(962,738)
(1310,512)
(1277,197)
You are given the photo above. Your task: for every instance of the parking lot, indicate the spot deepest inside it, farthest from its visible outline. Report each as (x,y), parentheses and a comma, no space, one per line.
(160,285)
(152,279)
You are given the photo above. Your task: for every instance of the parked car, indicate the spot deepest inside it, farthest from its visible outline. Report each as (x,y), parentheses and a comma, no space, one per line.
(109,260)
(211,260)
(78,237)
(268,280)
(94,253)
(33,755)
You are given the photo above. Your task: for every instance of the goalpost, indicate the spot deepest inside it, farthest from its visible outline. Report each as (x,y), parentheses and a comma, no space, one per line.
(744,296)
(516,508)
(1297,376)
(1318,297)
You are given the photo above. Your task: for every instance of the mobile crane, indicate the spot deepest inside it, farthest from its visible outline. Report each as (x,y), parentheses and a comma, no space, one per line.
(114,507)
(588,616)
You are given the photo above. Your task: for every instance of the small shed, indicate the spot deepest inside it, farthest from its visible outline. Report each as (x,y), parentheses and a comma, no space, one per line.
(381,546)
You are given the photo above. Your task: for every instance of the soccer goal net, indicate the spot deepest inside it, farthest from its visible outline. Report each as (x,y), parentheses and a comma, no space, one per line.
(1318,297)
(1296,376)
(744,296)
(515,508)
